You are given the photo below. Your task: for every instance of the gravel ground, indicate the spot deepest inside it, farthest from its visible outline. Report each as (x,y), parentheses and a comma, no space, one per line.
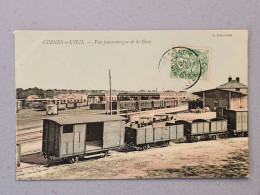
(221,158)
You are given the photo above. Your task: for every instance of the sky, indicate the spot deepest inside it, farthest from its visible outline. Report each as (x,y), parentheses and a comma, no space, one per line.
(132,56)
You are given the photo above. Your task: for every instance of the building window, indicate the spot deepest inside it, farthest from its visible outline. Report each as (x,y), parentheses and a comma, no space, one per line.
(68,129)
(237,89)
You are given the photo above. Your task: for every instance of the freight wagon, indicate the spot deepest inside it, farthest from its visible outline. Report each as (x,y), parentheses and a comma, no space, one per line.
(238,122)
(68,138)
(219,127)
(203,129)
(158,134)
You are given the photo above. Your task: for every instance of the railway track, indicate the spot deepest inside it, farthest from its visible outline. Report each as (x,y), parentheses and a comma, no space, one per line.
(28,136)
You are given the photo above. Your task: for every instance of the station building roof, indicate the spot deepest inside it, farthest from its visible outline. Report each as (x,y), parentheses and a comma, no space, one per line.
(234,84)
(199,93)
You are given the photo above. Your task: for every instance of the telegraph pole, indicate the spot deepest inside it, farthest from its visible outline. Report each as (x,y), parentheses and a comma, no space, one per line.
(110,92)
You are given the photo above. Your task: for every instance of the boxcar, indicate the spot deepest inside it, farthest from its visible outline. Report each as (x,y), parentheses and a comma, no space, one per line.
(68,138)
(238,121)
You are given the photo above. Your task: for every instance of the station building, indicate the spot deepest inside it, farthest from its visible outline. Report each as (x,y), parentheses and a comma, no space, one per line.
(233,95)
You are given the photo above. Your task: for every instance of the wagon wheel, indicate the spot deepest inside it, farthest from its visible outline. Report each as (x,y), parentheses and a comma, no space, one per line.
(189,139)
(50,161)
(72,160)
(196,139)
(105,154)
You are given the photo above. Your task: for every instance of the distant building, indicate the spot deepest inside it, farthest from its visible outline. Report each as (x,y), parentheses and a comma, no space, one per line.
(232,95)
(32,97)
(73,97)
(101,97)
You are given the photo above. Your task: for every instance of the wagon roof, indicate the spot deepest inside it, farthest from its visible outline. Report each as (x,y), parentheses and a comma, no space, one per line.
(240,109)
(218,119)
(86,119)
(200,120)
(183,121)
(162,114)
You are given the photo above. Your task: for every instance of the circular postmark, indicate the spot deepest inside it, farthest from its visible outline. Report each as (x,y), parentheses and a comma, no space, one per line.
(185,63)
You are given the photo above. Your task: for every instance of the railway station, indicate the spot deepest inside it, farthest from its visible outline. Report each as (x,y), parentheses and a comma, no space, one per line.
(72,127)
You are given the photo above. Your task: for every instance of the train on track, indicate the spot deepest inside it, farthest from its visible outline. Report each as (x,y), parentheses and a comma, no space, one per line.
(61,106)
(135,105)
(69,138)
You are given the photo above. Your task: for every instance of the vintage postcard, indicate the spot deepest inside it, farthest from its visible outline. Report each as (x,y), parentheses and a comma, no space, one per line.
(131,104)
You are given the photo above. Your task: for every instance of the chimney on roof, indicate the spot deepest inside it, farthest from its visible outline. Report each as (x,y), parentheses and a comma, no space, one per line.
(237,79)
(229,78)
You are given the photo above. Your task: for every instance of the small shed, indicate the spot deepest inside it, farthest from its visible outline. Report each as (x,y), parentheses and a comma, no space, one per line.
(51,109)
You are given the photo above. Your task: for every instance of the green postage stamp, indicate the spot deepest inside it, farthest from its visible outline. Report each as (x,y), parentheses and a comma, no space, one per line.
(189,63)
